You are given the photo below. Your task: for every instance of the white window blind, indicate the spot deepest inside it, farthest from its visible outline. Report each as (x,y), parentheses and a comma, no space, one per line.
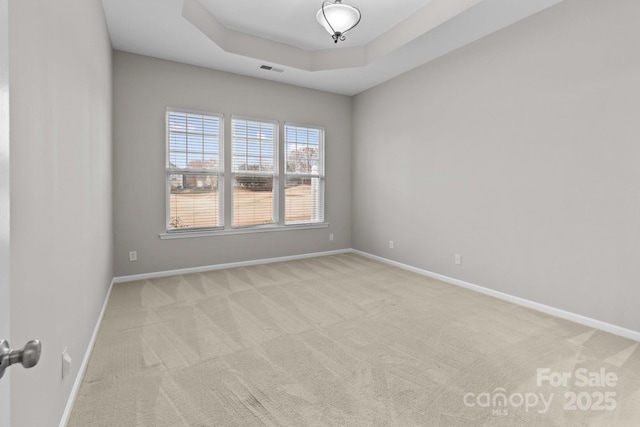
(194,171)
(304,174)
(254,147)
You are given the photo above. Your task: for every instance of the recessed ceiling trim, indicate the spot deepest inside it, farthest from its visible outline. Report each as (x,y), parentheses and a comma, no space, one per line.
(424,20)
(240,43)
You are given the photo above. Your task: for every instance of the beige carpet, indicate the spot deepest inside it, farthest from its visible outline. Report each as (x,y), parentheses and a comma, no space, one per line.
(345,341)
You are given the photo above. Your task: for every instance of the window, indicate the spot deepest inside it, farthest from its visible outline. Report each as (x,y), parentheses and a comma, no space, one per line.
(254,145)
(259,177)
(304,174)
(194,171)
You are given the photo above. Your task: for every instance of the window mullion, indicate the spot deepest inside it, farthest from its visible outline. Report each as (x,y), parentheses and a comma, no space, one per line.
(281,175)
(228,176)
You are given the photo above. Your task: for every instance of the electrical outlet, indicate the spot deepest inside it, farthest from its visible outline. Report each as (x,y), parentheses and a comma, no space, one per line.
(390,244)
(457,259)
(66,363)
(133,256)
(331,237)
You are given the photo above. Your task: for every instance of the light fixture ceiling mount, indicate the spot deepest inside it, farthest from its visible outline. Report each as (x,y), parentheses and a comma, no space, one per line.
(337,18)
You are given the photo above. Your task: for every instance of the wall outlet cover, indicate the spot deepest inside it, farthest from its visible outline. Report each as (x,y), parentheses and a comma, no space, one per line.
(66,363)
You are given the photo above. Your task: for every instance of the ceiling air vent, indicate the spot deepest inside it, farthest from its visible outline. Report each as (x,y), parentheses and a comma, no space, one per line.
(270,68)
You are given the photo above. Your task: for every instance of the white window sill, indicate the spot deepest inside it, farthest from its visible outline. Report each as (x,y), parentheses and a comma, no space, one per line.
(248,230)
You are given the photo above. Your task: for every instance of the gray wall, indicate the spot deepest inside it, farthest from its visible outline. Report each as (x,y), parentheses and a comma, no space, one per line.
(61,174)
(519,152)
(144,88)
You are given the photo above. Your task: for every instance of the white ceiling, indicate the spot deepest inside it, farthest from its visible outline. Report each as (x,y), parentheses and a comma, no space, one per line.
(238,36)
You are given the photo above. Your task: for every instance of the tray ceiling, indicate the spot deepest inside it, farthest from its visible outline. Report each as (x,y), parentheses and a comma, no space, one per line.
(392,38)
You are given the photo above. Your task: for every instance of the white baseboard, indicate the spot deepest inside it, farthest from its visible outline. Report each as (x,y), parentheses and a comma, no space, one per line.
(85,362)
(202,269)
(577,318)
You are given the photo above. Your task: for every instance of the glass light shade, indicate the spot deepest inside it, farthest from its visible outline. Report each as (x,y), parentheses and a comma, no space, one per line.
(342,17)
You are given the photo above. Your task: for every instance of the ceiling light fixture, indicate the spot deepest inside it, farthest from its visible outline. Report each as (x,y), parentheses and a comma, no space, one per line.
(337,18)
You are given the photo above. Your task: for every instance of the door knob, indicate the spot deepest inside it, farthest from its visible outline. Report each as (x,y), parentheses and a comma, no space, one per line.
(28,356)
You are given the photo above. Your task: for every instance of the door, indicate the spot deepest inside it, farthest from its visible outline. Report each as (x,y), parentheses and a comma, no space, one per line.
(4,202)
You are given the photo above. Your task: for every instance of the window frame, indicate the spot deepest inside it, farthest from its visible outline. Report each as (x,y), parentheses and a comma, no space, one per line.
(226,176)
(220,173)
(275,189)
(320,175)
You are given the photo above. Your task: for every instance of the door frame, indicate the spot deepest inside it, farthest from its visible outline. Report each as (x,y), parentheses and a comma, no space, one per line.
(5,302)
